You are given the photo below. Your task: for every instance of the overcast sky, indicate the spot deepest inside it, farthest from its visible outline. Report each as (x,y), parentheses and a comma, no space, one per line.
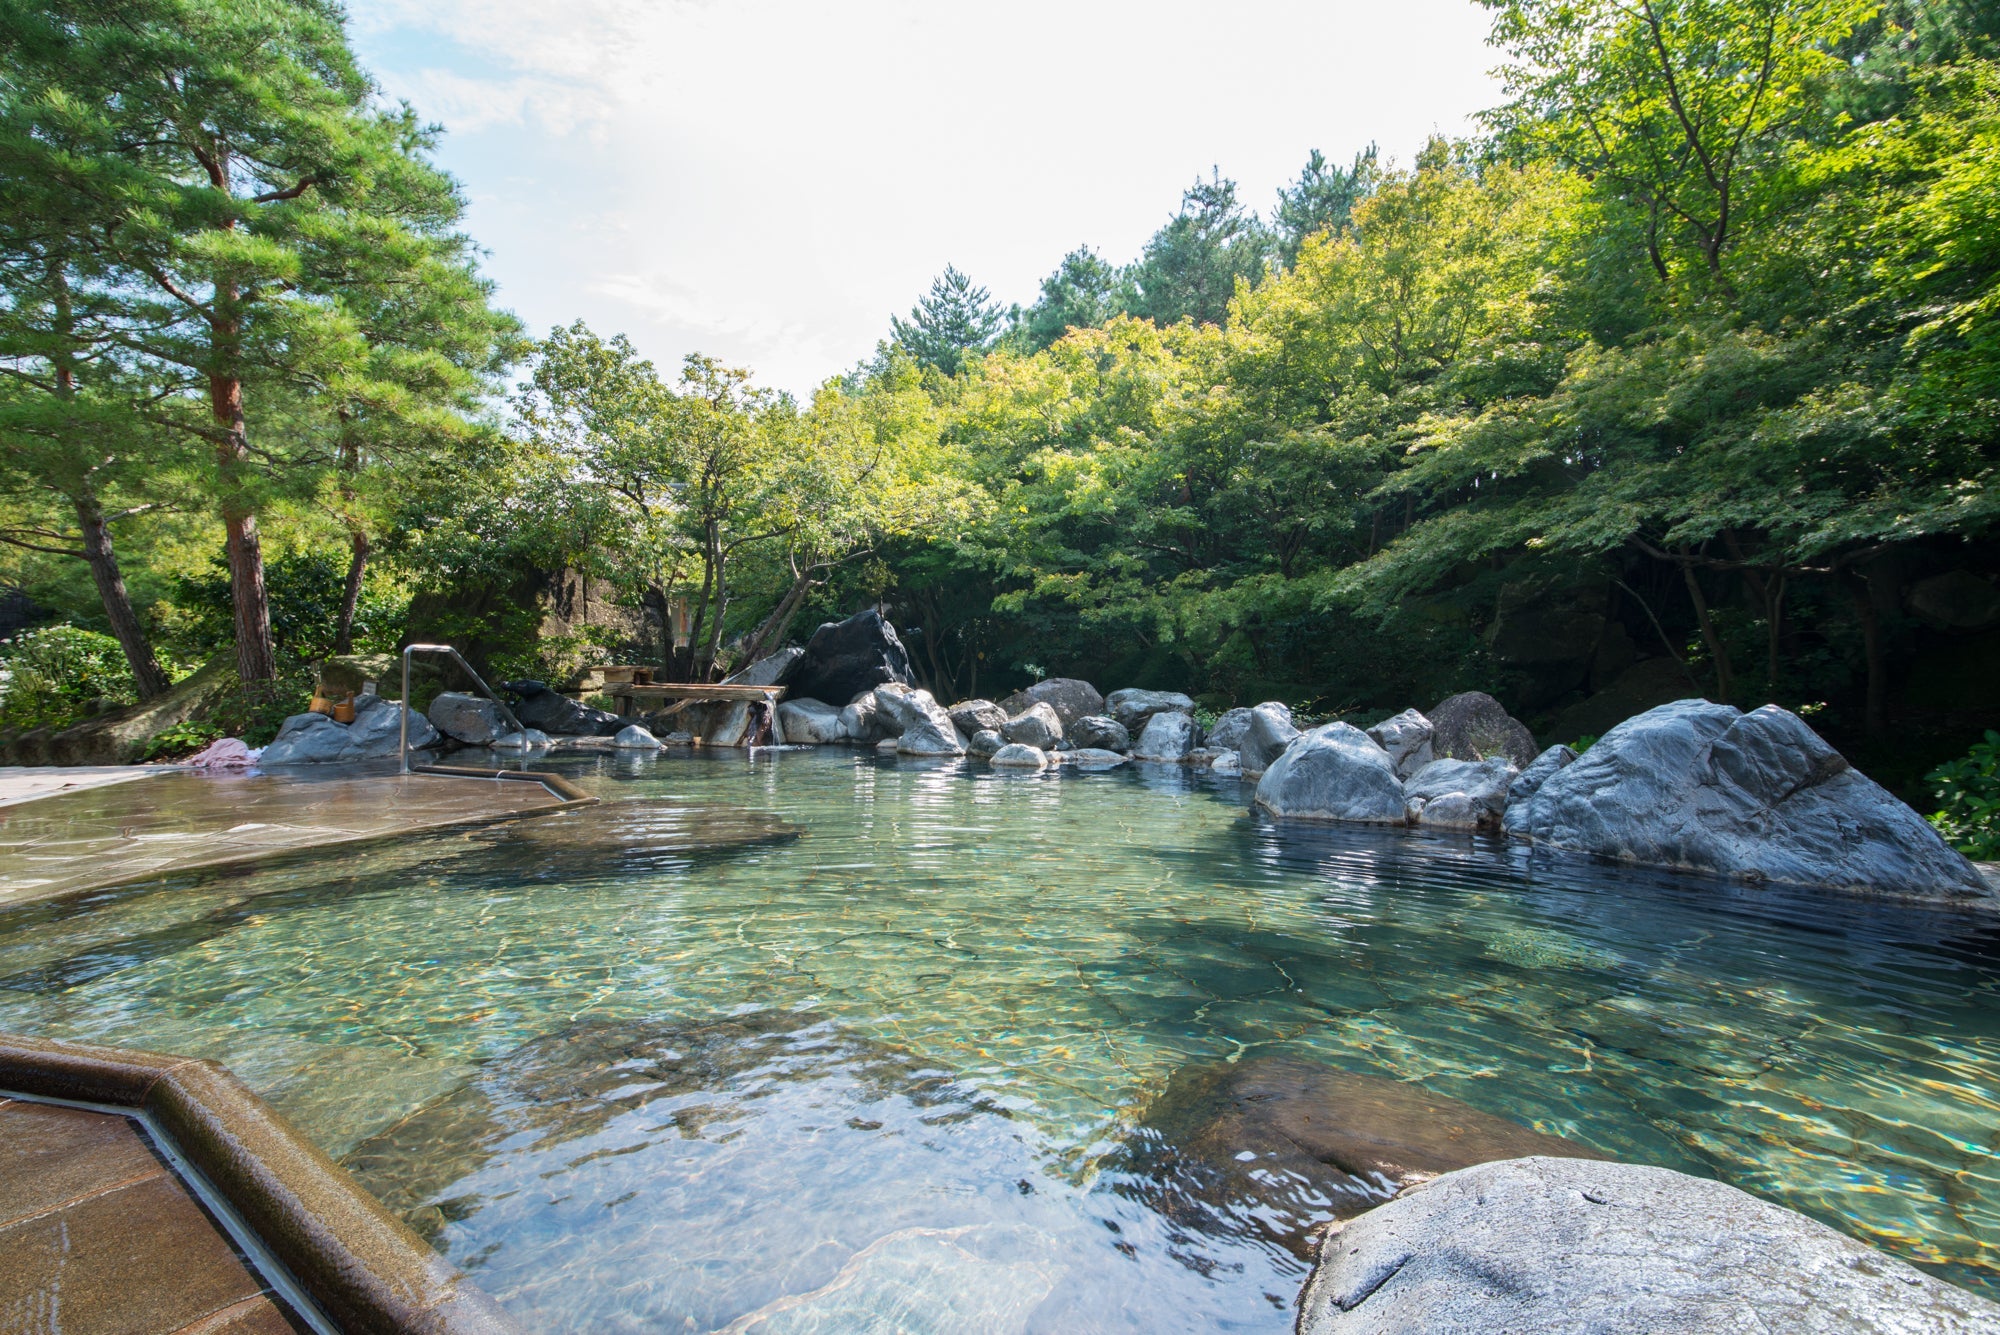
(768,180)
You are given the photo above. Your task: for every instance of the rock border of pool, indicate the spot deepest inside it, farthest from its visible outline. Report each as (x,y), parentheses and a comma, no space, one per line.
(359,1264)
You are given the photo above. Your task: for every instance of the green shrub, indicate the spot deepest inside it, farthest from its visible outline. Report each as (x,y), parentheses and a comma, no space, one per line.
(51,675)
(305,591)
(1968,794)
(183,739)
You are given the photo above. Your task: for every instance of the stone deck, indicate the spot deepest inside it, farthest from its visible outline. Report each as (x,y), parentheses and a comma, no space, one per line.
(97,1234)
(84,839)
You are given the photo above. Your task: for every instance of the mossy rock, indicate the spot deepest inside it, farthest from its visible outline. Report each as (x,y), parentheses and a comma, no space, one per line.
(121,736)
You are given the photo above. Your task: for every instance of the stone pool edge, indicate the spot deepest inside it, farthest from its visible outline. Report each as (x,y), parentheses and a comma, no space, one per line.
(363,1266)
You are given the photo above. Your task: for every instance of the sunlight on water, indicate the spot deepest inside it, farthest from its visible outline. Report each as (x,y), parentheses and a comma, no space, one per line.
(827,1042)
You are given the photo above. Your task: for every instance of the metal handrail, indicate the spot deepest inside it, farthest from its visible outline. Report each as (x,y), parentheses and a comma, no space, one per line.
(403,738)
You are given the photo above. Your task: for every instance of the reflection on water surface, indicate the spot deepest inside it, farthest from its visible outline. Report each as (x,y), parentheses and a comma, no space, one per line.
(830,1042)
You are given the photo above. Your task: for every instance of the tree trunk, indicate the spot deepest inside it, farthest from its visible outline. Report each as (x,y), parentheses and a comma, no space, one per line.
(1876,717)
(256,656)
(1725,679)
(357,569)
(775,625)
(714,648)
(147,674)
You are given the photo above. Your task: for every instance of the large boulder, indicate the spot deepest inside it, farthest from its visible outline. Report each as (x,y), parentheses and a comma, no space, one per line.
(767,671)
(471,719)
(1539,771)
(1038,726)
(1758,796)
(1460,794)
(1100,732)
(1228,729)
(1019,755)
(1408,739)
(1132,707)
(845,658)
(1334,772)
(1169,736)
(1070,698)
(1265,738)
(632,737)
(863,721)
(923,726)
(1286,1141)
(375,734)
(985,742)
(970,716)
(1473,726)
(558,715)
(810,722)
(1563,1246)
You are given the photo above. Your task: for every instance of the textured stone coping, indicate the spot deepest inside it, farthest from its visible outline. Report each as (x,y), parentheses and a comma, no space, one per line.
(26,783)
(358,1264)
(178,822)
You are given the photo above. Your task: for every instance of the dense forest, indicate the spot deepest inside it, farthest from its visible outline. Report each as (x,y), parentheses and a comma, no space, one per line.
(1682,378)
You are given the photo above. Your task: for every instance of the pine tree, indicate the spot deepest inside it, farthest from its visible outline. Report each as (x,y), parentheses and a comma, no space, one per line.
(955,318)
(1190,267)
(1323,199)
(1083,292)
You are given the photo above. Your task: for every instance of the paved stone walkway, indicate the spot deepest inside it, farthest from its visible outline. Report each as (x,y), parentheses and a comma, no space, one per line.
(180,821)
(98,1236)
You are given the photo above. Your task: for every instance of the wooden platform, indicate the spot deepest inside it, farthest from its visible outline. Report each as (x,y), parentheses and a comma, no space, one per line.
(688,693)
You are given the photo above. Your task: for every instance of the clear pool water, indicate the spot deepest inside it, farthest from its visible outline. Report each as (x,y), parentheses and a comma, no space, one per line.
(823,1041)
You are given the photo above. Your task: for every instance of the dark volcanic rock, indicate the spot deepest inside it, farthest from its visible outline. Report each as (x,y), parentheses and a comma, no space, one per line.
(1263,1146)
(1473,726)
(558,715)
(845,658)
(1070,698)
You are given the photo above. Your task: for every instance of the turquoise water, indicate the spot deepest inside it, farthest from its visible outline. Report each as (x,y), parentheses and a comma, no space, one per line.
(821,1041)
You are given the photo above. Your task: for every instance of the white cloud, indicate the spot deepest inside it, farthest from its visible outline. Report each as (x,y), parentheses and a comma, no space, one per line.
(768,179)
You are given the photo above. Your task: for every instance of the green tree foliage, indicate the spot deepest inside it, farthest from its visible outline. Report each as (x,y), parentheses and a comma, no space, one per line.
(1968,796)
(1191,266)
(1085,291)
(1323,199)
(260,231)
(955,318)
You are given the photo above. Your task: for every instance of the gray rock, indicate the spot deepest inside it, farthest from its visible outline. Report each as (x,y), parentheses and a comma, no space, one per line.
(887,746)
(1407,739)
(1334,772)
(472,719)
(1530,780)
(540,707)
(1757,796)
(534,739)
(767,671)
(1228,729)
(1019,755)
(810,722)
(1070,698)
(1473,726)
(1100,731)
(985,742)
(923,727)
(726,723)
(1038,726)
(1094,757)
(632,737)
(1168,736)
(1580,1247)
(845,658)
(1265,738)
(1132,707)
(862,721)
(1461,793)
(315,739)
(1227,763)
(970,716)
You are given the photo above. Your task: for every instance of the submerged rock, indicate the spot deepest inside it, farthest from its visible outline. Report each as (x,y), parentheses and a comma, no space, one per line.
(635,738)
(1334,772)
(1038,726)
(1094,757)
(1133,707)
(811,722)
(844,658)
(1070,698)
(1473,725)
(1019,755)
(1168,736)
(1100,731)
(1265,737)
(1460,794)
(1408,739)
(1280,1144)
(1758,796)
(1563,1246)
